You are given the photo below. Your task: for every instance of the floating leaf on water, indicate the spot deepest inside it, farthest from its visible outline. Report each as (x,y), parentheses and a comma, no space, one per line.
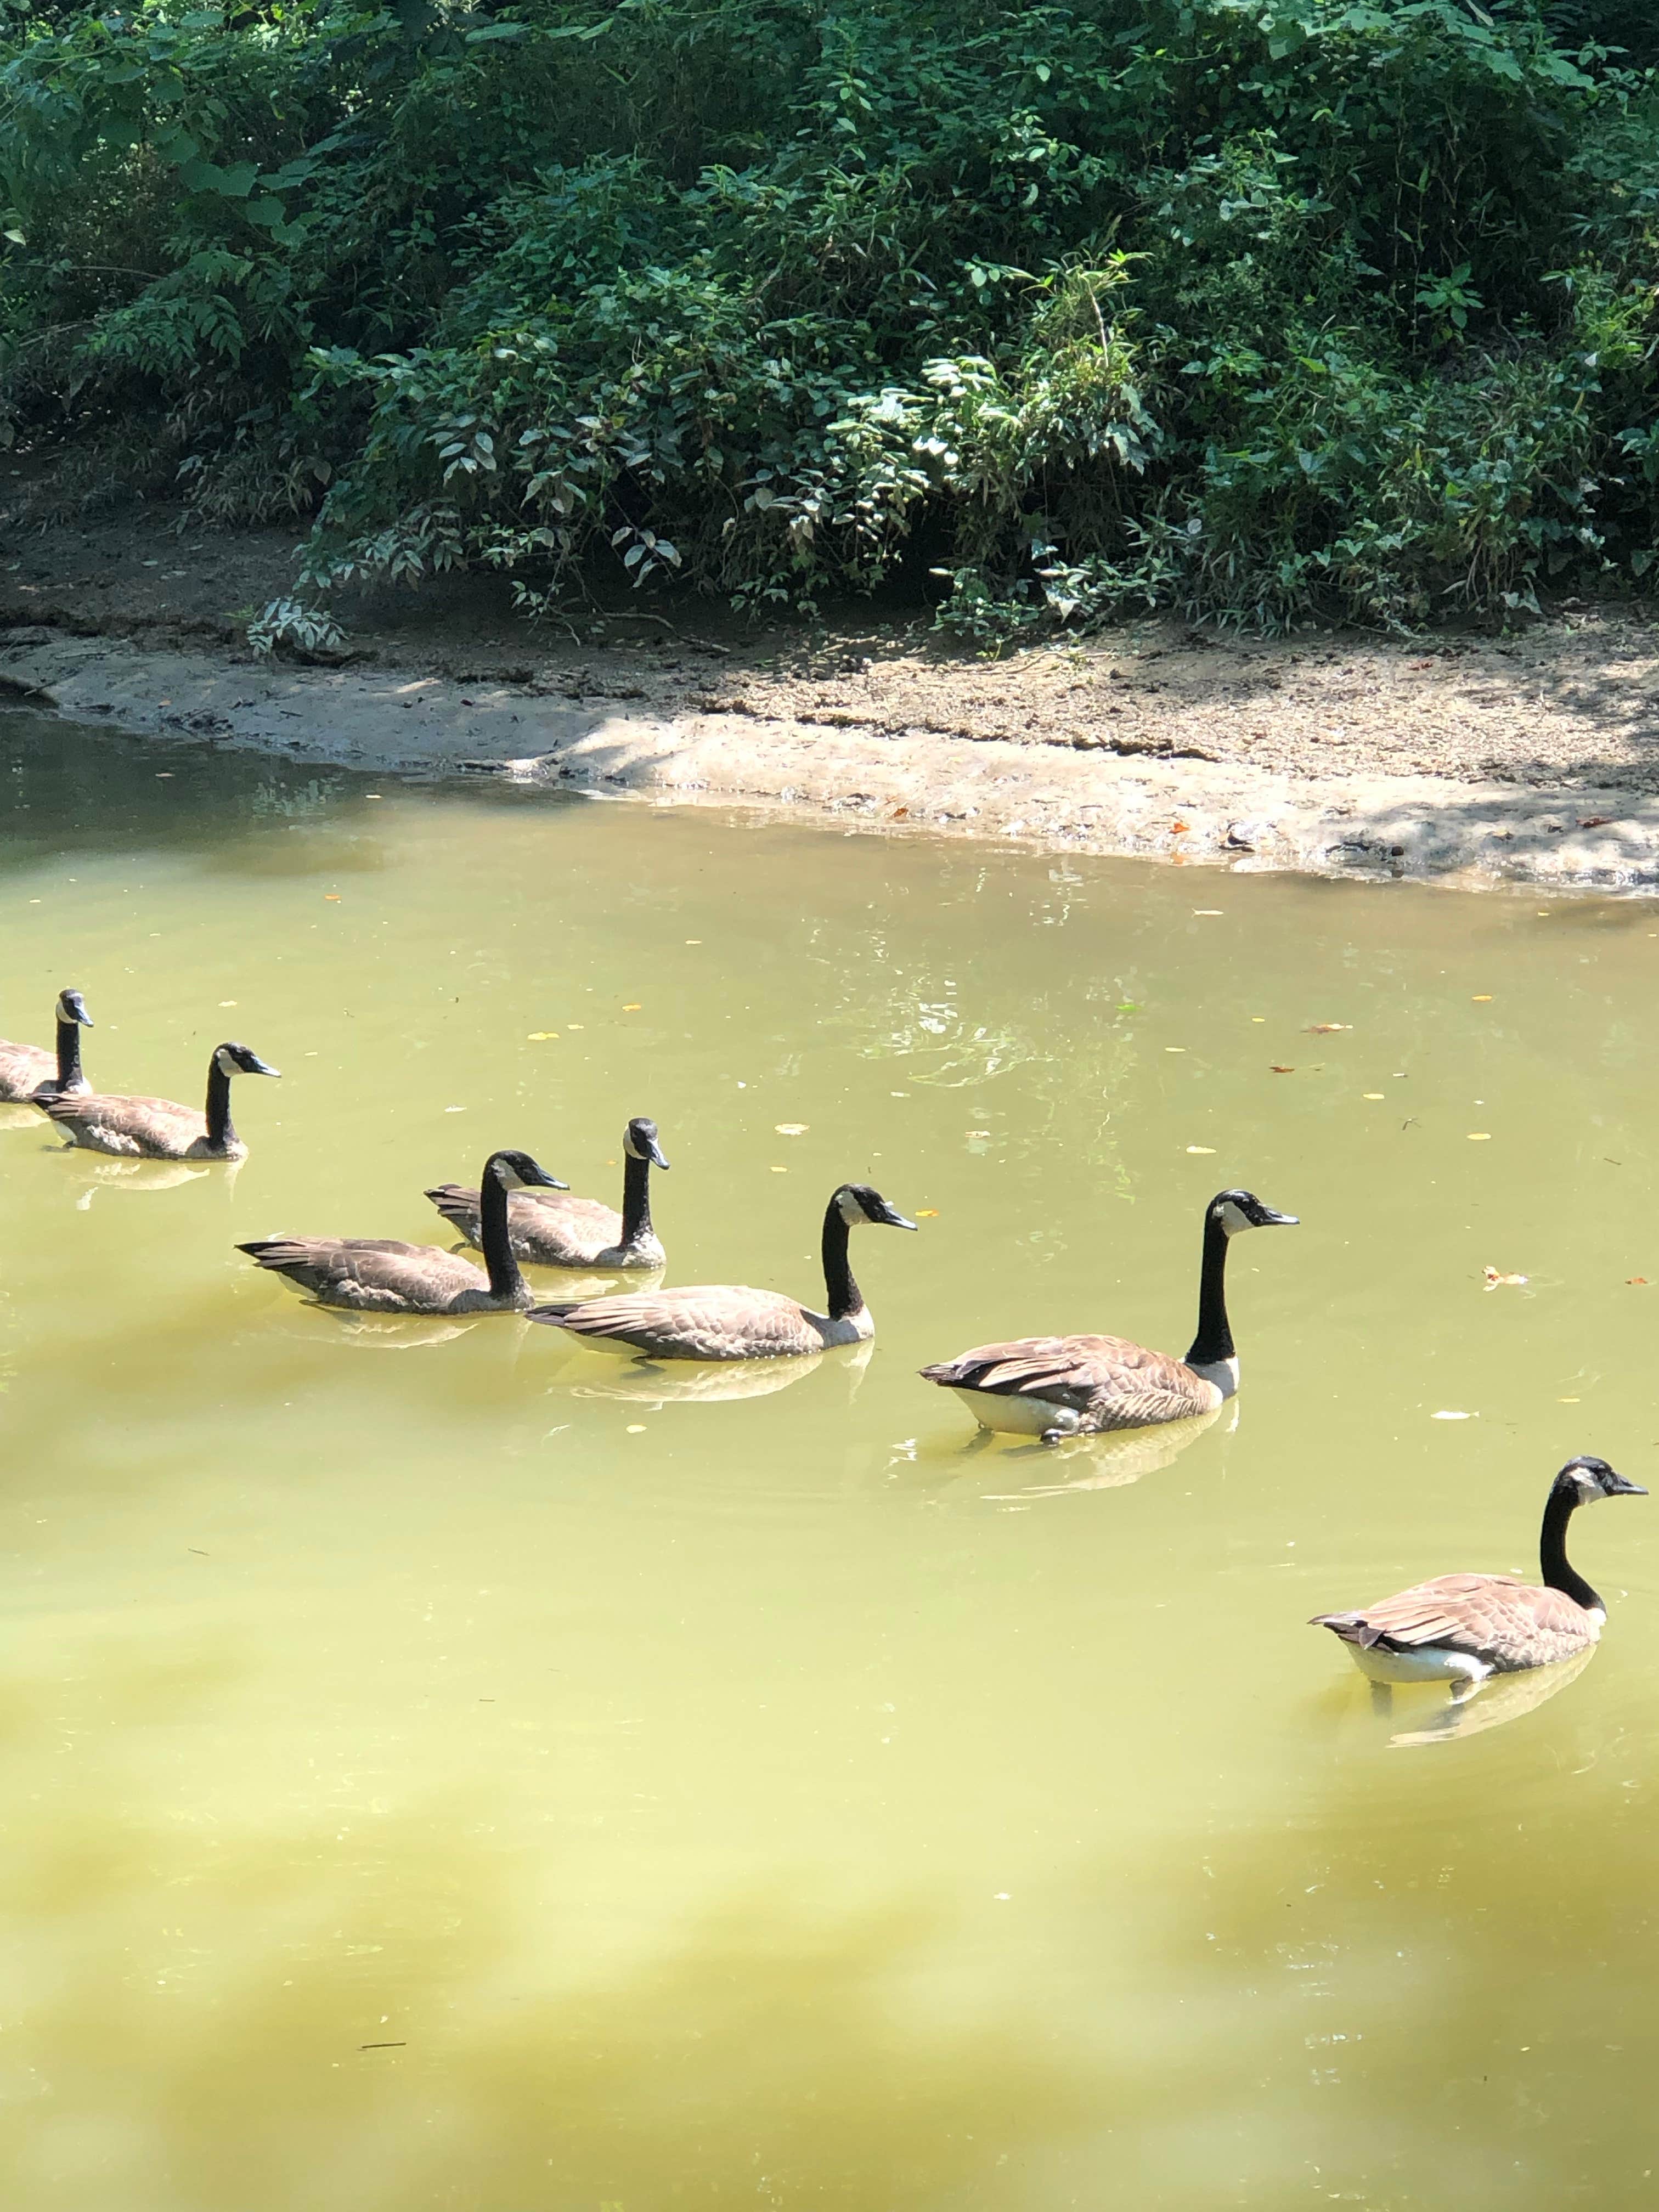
(632,1007)
(927,1213)
(226,1002)
(333,896)
(1481,999)
(1175,1047)
(791,1129)
(694,941)
(780,1170)
(1480,1136)
(1372,1094)
(1495,1281)
(1212,913)
(1277,1070)
(542,1036)
(1447,1414)
(1326,1029)
(636,1428)
(1207,1150)
(1634,1279)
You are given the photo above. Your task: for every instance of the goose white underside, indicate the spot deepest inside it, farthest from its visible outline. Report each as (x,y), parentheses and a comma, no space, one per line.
(1433,1663)
(1020,1416)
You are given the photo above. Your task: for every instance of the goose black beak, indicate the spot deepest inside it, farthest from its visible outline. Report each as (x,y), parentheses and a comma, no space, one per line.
(537,1177)
(894,1219)
(653,1153)
(1623,1488)
(257,1067)
(1272,1220)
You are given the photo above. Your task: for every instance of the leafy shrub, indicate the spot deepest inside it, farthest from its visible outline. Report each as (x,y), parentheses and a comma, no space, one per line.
(1290,309)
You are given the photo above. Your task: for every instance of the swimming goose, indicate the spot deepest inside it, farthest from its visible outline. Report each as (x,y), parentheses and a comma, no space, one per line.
(29,1074)
(726,1321)
(367,1275)
(156,1129)
(1461,1628)
(1071,1386)
(564,1231)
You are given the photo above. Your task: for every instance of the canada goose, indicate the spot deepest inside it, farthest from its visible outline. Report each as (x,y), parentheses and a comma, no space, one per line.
(369,1274)
(156,1129)
(1461,1628)
(564,1231)
(1069,1386)
(28,1074)
(725,1320)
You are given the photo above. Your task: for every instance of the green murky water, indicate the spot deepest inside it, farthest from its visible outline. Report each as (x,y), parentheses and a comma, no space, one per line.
(463,1774)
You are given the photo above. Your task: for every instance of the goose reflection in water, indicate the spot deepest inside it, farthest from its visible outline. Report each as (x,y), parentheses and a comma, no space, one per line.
(1492,1704)
(374,1332)
(653,1383)
(140,1176)
(1102,1463)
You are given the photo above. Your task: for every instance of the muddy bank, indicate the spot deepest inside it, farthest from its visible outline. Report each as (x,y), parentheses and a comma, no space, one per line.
(1085,799)
(1530,759)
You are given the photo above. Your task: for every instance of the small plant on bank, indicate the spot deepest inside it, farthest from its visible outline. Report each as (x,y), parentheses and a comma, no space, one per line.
(307,631)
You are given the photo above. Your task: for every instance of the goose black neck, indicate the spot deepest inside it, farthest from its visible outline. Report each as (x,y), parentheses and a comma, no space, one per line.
(504,1281)
(636,1200)
(221,1130)
(68,1057)
(1559,1573)
(843,1295)
(1214,1339)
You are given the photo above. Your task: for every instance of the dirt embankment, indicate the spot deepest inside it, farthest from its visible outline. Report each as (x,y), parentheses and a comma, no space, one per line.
(1531,758)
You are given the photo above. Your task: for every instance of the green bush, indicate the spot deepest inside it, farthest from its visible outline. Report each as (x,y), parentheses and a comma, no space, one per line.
(1268,312)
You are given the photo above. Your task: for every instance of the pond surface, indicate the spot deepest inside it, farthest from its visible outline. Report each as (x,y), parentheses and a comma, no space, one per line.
(470,1774)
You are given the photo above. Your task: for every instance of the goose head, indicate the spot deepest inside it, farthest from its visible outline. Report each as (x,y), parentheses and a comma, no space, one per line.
(240,1060)
(1234,1210)
(1587,1480)
(859,1203)
(72,1007)
(639,1142)
(518,1171)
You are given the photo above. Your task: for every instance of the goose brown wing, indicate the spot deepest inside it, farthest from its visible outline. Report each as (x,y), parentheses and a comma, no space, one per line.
(722,1321)
(368,1272)
(161,1123)
(1509,1623)
(23,1069)
(549,1228)
(1120,1383)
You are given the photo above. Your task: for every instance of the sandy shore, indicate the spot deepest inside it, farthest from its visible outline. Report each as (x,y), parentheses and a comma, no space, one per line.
(1079,799)
(1533,759)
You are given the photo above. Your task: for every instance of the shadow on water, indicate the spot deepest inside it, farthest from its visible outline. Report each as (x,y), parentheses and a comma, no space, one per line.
(67,787)
(357,2014)
(1394,1912)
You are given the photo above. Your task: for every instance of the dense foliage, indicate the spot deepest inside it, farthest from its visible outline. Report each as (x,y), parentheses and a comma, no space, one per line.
(1261,308)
